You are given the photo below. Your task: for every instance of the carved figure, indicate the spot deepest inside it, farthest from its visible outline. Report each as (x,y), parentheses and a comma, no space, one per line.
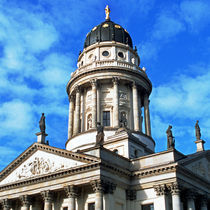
(197,131)
(170,138)
(42,123)
(100,134)
(123,120)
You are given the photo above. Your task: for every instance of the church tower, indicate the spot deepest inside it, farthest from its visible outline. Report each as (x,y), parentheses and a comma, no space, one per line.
(109,87)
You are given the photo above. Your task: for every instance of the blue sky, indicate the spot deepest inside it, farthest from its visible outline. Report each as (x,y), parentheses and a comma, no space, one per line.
(39,45)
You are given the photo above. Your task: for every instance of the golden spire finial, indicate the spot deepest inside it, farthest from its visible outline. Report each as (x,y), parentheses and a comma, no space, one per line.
(107,12)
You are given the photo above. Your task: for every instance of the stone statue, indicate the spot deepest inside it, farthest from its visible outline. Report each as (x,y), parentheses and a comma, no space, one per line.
(42,123)
(100,134)
(170,138)
(197,131)
(123,120)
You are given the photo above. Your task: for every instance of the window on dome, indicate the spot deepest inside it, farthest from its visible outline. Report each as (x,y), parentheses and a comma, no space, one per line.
(106,118)
(120,54)
(105,53)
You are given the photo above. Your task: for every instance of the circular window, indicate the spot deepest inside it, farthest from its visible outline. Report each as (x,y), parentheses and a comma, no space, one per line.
(120,54)
(105,53)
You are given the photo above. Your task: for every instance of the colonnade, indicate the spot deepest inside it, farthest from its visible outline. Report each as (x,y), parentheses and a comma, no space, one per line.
(136,98)
(72,192)
(162,201)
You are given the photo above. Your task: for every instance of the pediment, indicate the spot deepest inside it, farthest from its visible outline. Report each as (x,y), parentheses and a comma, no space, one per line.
(199,165)
(40,162)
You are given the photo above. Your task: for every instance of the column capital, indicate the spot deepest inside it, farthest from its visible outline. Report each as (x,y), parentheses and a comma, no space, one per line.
(47,195)
(161,189)
(71,98)
(204,200)
(115,80)
(130,194)
(25,200)
(134,85)
(191,194)
(93,82)
(98,186)
(174,188)
(103,186)
(77,89)
(6,203)
(71,191)
(110,187)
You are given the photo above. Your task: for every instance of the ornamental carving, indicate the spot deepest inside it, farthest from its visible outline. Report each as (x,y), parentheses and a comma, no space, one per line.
(38,166)
(161,189)
(131,195)
(123,95)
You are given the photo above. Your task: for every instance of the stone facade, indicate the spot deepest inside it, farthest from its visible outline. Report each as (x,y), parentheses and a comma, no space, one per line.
(123,173)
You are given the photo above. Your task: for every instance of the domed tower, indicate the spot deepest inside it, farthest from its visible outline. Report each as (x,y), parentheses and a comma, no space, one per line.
(109,87)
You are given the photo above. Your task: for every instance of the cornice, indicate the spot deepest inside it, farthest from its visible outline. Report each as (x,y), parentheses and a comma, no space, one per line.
(113,69)
(153,171)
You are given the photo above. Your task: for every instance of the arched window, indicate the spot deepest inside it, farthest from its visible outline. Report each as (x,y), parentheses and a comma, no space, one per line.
(89,121)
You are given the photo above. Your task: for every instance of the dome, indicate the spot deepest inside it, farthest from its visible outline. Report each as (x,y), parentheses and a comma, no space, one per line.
(108,31)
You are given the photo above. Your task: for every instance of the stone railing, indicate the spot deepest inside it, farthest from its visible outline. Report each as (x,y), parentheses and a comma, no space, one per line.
(104,63)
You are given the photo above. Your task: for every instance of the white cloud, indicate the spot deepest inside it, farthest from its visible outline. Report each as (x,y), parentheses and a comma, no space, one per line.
(15,117)
(195,13)
(167,26)
(180,102)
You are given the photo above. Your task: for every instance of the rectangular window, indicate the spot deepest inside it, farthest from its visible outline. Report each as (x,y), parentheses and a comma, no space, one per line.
(147,207)
(106,118)
(91,206)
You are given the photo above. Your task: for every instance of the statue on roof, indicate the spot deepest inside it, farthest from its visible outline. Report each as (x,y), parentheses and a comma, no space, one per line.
(170,138)
(197,131)
(107,12)
(42,123)
(100,134)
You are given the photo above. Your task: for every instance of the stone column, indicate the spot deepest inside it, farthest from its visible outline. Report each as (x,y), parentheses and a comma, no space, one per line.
(135,107)
(204,203)
(175,191)
(98,188)
(130,197)
(82,112)
(140,113)
(25,200)
(6,204)
(71,192)
(47,197)
(98,103)
(109,199)
(147,115)
(71,114)
(190,200)
(115,81)
(77,111)
(161,202)
(94,102)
